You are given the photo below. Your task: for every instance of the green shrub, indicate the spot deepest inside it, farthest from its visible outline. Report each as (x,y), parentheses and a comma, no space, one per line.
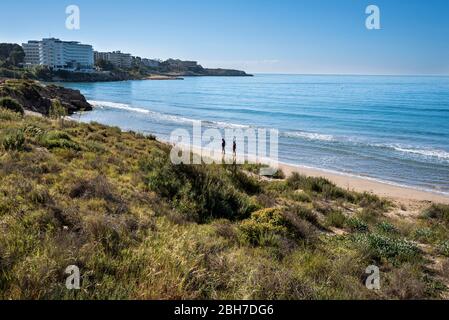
(333,192)
(444,248)
(386,227)
(299,229)
(253,167)
(369,215)
(57,110)
(96,137)
(305,213)
(58,139)
(99,188)
(318,185)
(13,139)
(244,182)
(39,195)
(267,226)
(165,181)
(199,191)
(357,225)
(95,147)
(8,115)
(34,131)
(438,212)
(299,196)
(425,235)
(11,104)
(395,250)
(372,202)
(57,135)
(262,225)
(404,283)
(298,181)
(279,174)
(336,219)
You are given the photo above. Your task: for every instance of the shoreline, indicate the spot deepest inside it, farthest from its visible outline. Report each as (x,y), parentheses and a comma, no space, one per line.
(343,180)
(360,184)
(403,194)
(155,77)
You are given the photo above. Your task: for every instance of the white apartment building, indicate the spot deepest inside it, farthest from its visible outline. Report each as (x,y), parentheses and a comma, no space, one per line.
(117,58)
(32,55)
(59,55)
(150,62)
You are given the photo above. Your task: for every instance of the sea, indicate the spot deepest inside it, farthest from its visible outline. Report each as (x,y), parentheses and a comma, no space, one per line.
(393,129)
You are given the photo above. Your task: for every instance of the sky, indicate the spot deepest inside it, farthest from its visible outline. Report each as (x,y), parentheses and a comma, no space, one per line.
(258,36)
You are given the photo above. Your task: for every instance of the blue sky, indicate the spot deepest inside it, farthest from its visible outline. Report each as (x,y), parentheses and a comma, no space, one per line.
(277,36)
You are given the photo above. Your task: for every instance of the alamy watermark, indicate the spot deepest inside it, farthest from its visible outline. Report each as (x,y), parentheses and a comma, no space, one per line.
(373,20)
(73,20)
(73,281)
(373,280)
(236,146)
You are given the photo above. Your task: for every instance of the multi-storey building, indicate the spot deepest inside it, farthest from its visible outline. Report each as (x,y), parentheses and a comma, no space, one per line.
(32,53)
(59,55)
(117,58)
(150,62)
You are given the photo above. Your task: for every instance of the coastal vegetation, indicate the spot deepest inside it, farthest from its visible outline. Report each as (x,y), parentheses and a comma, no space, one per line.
(139,227)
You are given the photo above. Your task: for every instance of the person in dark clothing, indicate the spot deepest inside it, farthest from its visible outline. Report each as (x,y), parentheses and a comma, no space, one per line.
(234,148)
(223,146)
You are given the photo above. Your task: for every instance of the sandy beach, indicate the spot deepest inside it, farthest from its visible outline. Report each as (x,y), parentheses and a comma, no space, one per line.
(368,185)
(400,194)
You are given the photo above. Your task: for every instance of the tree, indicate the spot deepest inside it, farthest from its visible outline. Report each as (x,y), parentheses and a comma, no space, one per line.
(11,54)
(17,56)
(57,111)
(104,65)
(43,73)
(11,104)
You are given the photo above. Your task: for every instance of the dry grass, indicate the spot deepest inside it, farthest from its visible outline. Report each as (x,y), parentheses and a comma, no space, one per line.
(140,228)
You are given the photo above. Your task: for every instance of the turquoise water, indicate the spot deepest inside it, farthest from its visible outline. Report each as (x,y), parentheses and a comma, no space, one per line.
(394,129)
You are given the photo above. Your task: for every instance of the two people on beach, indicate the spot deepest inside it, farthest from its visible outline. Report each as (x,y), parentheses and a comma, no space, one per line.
(234,147)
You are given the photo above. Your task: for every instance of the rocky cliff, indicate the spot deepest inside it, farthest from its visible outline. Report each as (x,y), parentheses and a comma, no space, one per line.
(37,97)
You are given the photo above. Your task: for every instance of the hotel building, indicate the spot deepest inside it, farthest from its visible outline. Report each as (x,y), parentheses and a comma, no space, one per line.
(59,55)
(117,58)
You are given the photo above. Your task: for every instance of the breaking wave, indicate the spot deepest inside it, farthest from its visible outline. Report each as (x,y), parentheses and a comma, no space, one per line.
(165,116)
(309,136)
(304,135)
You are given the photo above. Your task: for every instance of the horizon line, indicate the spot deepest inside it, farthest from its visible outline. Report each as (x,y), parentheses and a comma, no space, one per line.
(350,74)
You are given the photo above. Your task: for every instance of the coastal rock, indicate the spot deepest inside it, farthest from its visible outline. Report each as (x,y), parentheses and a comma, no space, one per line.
(226,73)
(181,68)
(106,76)
(34,96)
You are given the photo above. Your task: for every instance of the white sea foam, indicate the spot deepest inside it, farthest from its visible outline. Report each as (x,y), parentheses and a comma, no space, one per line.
(225,125)
(114,105)
(309,135)
(428,153)
(434,153)
(165,116)
(153,114)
